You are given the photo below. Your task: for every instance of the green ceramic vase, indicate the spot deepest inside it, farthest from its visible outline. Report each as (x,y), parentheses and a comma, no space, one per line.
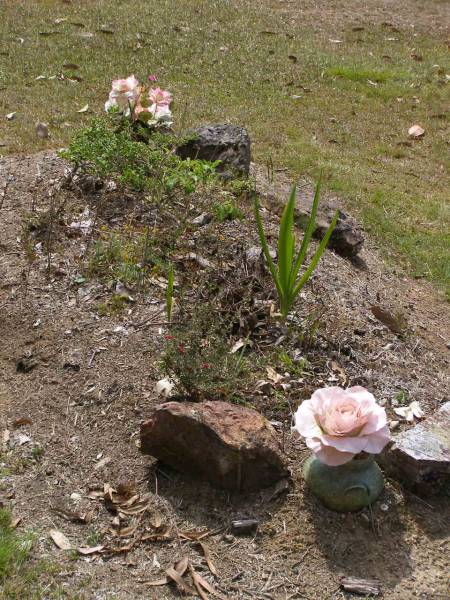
(346,488)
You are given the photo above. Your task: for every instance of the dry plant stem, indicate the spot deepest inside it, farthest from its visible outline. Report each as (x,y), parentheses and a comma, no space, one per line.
(50,231)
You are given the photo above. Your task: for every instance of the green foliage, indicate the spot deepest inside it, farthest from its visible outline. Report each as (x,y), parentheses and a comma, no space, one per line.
(14,548)
(227,211)
(127,257)
(197,357)
(285,276)
(107,149)
(353,73)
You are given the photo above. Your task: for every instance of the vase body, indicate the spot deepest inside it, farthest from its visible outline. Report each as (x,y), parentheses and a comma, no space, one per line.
(345,488)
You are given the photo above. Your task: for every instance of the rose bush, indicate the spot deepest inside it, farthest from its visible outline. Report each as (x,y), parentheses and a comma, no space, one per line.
(124,94)
(337,424)
(128,97)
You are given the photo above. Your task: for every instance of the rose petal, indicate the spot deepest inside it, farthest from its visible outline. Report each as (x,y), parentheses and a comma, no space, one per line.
(305,421)
(332,457)
(345,444)
(377,441)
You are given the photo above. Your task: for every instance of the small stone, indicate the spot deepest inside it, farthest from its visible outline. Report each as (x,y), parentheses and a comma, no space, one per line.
(202,219)
(228,143)
(42,131)
(26,364)
(243,526)
(230,446)
(420,456)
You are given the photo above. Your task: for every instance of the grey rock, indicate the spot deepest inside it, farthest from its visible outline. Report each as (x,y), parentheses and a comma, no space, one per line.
(230,446)
(228,143)
(420,456)
(202,219)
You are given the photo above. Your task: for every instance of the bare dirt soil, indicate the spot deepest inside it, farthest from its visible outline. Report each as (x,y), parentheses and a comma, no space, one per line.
(89,382)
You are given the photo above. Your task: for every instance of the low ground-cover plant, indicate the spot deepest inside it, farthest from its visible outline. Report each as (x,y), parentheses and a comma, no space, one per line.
(110,150)
(227,211)
(285,275)
(128,256)
(197,358)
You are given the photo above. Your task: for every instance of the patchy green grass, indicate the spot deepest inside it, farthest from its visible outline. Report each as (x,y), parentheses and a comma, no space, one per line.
(364,75)
(21,577)
(13,548)
(327,95)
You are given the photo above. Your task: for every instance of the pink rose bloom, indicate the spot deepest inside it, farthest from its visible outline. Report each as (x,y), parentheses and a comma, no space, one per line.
(162,114)
(159,97)
(337,424)
(124,93)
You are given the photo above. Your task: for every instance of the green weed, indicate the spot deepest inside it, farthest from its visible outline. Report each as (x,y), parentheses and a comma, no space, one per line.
(227,211)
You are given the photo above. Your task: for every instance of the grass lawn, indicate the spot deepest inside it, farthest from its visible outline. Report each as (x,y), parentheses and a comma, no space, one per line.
(315,91)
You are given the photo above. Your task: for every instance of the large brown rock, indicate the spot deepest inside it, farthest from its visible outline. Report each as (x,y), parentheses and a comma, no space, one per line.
(230,446)
(420,456)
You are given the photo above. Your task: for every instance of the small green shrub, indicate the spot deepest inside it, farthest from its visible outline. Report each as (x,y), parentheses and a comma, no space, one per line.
(197,357)
(109,150)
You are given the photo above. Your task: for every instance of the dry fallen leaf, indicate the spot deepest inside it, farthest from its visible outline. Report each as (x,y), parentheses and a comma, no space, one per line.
(409,412)
(92,550)
(84,109)
(22,421)
(15,522)
(273,375)
(102,463)
(175,576)
(237,346)
(60,540)
(208,560)
(10,116)
(200,583)
(416,131)
(396,323)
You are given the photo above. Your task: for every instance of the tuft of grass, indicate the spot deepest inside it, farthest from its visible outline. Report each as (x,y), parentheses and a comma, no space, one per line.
(129,257)
(220,65)
(352,73)
(14,548)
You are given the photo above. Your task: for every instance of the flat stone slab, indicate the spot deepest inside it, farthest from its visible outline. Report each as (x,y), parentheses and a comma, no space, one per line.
(230,446)
(420,456)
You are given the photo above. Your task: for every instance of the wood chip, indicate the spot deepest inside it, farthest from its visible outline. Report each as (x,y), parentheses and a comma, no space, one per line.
(363,587)
(209,562)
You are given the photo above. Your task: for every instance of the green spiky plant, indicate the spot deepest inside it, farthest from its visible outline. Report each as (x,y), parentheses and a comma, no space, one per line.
(286,274)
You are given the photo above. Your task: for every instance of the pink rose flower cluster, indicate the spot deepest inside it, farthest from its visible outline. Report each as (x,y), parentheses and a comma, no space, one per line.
(129,96)
(338,424)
